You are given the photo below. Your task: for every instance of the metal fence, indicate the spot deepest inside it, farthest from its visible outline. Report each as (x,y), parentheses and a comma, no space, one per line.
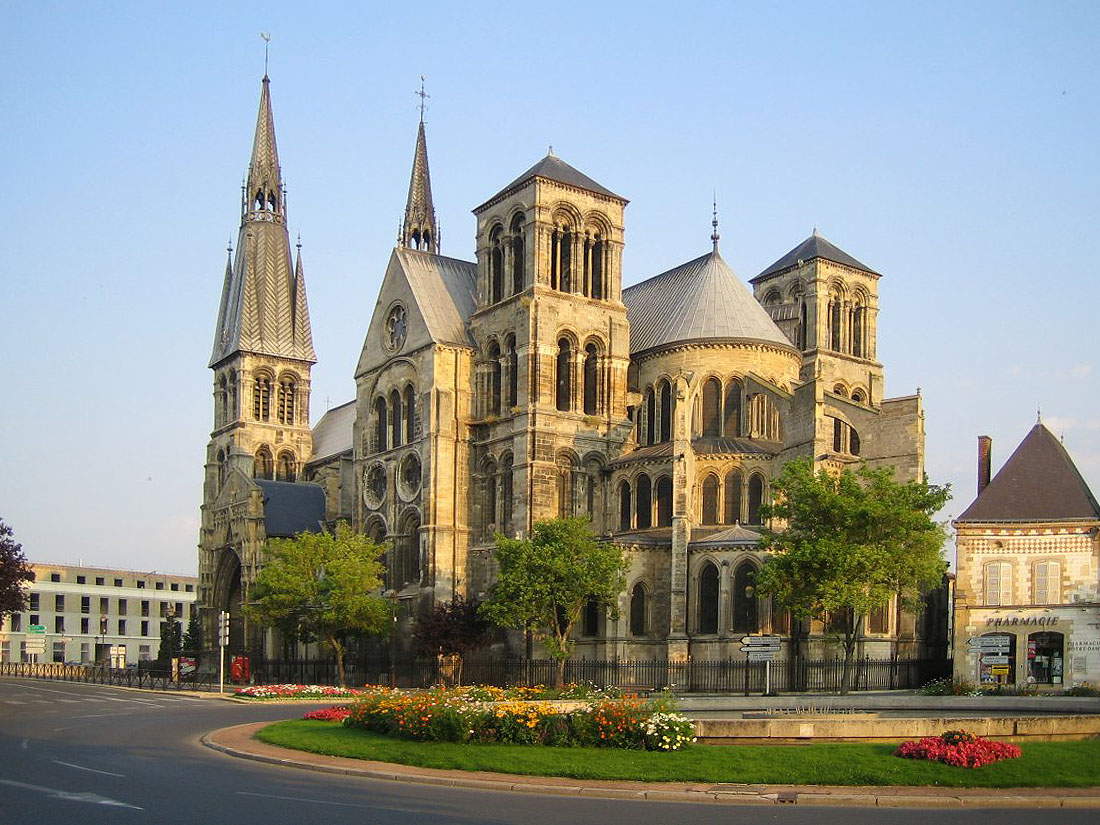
(727,676)
(147,678)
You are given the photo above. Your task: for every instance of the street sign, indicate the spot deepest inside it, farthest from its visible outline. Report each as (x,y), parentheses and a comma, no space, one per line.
(36,645)
(991,649)
(36,628)
(994,660)
(759,655)
(774,642)
(989,641)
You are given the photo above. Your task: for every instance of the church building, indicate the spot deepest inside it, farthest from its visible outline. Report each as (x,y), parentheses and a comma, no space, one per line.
(530,383)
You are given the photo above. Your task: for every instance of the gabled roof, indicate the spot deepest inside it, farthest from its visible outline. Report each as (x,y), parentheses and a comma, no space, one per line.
(554,168)
(814,246)
(292,507)
(1039,482)
(333,433)
(736,535)
(702,299)
(445,290)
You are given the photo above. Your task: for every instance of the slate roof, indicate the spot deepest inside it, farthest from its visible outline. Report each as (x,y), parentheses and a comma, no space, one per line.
(702,299)
(333,433)
(554,168)
(445,291)
(724,538)
(292,507)
(814,246)
(1039,482)
(712,445)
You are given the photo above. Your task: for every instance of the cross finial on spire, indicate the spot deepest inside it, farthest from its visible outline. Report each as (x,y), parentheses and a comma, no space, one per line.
(423,98)
(714,236)
(267,40)
(816,233)
(550,150)
(1038,415)
(299,244)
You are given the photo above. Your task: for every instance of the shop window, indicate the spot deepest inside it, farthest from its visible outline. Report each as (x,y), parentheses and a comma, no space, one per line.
(1044,657)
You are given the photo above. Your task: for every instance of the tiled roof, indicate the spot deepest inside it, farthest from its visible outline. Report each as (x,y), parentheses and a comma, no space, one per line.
(554,168)
(445,290)
(702,299)
(292,507)
(333,433)
(814,246)
(1039,482)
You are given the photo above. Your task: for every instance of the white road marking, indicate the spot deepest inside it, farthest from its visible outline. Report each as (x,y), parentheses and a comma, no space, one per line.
(91,770)
(71,796)
(23,744)
(307,800)
(14,702)
(97,715)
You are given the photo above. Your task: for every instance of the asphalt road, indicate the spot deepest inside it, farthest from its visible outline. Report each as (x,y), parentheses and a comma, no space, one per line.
(76,753)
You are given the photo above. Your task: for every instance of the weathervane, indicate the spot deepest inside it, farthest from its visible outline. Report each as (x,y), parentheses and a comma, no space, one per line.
(714,236)
(267,40)
(423,98)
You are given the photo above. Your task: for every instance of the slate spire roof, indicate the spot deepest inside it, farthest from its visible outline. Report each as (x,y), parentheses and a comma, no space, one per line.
(814,246)
(419,230)
(702,299)
(554,168)
(1039,482)
(263,308)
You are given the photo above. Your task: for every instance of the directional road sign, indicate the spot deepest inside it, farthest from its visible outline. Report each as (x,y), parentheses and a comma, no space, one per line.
(989,641)
(763,641)
(759,655)
(36,628)
(994,660)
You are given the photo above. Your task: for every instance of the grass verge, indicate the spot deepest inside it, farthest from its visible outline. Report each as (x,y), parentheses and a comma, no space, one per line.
(1043,764)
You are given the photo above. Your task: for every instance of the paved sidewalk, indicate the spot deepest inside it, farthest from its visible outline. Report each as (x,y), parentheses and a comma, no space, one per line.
(238,741)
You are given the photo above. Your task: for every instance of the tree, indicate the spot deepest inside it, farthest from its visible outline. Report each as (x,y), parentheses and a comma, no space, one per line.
(171,640)
(452,629)
(192,639)
(849,542)
(321,586)
(14,573)
(544,582)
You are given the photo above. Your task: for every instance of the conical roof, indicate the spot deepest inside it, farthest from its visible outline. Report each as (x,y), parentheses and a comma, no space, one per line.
(554,168)
(419,229)
(702,299)
(814,246)
(1039,482)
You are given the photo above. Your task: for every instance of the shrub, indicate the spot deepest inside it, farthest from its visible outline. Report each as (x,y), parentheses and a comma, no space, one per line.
(668,732)
(1083,689)
(949,687)
(960,748)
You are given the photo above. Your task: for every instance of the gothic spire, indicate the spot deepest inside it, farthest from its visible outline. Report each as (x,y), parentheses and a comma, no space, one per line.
(263,308)
(419,229)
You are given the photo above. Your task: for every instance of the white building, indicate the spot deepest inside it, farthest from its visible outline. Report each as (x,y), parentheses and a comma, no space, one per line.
(83,612)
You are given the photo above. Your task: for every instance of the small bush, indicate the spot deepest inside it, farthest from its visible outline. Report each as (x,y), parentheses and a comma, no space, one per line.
(1083,689)
(949,687)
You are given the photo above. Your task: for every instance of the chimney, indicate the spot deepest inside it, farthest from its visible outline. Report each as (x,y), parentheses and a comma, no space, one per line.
(985,458)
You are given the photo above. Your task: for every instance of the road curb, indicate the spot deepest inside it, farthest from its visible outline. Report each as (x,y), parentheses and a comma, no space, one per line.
(238,741)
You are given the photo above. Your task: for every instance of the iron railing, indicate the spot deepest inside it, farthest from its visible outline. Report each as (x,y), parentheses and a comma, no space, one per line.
(147,678)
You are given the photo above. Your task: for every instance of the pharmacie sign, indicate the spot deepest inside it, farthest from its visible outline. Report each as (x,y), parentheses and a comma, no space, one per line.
(1021,621)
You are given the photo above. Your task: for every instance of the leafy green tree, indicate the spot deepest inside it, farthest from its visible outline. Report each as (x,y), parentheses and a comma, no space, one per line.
(847,542)
(544,582)
(192,639)
(452,629)
(171,640)
(322,586)
(14,573)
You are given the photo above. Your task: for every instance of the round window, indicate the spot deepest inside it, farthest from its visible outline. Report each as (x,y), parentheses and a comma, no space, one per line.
(410,475)
(396,328)
(374,485)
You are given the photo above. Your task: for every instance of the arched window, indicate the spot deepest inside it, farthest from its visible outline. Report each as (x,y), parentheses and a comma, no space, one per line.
(410,414)
(637,610)
(380,423)
(650,420)
(288,390)
(565,259)
(710,500)
(708,599)
(731,424)
(756,497)
(834,321)
(591,360)
(599,289)
(1047,583)
(624,505)
(665,391)
(221,468)
(838,435)
(591,624)
(839,390)
(878,619)
(513,373)
(506,495)
(644,503)
(593,494)
(286,469)
(745,615)
(395,418)
(496,266)
(220,410)
(232,411)
(853,441)
(712,407)
(664,501)
(261,398)
(733,497)
(565,487)
(802,323)
(263,464)
(859,330)
(407,564)
(519,261)
(489,496)
(565,375)
(858,397)
(494,379)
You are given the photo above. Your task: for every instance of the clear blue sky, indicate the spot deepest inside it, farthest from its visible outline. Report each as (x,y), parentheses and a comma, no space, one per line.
(951,146)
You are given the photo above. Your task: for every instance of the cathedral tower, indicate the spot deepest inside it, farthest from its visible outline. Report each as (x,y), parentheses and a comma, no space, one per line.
(551,350)
(262,357)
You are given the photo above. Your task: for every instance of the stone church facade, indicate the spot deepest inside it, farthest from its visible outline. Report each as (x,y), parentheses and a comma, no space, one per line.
(529,384)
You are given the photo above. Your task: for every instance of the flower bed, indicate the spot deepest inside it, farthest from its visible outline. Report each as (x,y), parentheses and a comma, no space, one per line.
(959,748)
(337,713)
(297,692)
(486,715)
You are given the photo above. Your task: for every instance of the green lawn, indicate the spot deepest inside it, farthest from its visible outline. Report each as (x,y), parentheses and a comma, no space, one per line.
(1043,764)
